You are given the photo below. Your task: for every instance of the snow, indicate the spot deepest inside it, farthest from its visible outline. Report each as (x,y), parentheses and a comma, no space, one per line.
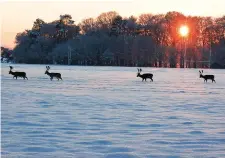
(107,112)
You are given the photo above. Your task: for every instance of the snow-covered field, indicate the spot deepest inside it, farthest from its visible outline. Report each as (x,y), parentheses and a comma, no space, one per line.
(107,112)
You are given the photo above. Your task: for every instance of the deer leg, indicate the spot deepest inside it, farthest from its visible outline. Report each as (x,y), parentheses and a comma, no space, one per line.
(142,79)
(152,79)
(51,78)
(145,79)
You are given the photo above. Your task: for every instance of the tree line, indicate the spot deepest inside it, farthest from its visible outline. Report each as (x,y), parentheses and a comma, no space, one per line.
(110,39)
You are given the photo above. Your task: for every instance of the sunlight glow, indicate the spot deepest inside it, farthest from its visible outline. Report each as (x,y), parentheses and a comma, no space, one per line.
(184,30)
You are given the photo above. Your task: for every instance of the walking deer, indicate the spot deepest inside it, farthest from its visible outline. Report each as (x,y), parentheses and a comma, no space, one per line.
(52,74)
(144,76)
(17,74)
(207,77)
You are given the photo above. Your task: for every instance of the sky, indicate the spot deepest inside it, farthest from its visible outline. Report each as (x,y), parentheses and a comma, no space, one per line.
(16,16)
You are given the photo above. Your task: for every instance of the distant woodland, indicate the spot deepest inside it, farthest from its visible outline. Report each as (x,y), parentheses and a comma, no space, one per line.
(113,40)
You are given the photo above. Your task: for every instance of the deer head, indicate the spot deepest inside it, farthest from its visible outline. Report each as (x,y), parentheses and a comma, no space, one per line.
(47,68)
(139,72)
(201,72)
(10,71)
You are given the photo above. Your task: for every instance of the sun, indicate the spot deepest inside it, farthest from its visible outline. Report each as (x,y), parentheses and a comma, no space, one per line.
(184,30)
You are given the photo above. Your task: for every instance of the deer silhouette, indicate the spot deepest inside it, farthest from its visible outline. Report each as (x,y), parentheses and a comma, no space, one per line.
(207,77)
(52,74)
(144,76)
(17,74)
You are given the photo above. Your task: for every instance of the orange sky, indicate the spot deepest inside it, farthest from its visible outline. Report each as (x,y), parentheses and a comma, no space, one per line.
(16,16)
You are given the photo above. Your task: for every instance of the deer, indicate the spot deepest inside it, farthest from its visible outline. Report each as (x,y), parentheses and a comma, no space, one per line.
(52,74)
(144,76)
(207,77)
(17,74)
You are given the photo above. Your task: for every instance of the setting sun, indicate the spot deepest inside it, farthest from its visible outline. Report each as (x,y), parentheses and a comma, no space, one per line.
(184,31)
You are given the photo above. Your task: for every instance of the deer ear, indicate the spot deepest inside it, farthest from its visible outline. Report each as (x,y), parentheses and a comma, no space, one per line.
(199,71)
(202,71)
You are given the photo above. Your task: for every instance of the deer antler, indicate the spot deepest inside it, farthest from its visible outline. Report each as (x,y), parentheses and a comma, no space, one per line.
(139,70)
(47,67)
